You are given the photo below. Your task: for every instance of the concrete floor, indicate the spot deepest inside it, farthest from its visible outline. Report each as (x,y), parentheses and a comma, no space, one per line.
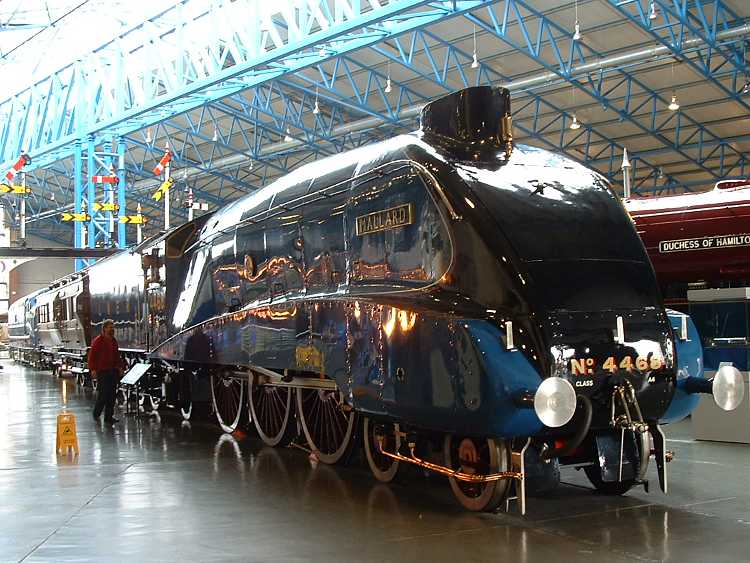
(157,489)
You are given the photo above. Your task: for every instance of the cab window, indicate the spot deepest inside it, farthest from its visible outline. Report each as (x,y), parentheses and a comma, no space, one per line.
(398,237)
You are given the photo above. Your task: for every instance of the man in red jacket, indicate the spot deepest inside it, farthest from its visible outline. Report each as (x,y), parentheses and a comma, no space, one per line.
(105,365)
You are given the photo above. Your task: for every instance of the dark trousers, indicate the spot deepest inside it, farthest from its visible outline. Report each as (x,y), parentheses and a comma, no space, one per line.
(106,385)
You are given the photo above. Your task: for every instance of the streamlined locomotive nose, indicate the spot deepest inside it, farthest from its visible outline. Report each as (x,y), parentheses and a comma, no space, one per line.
(603,352)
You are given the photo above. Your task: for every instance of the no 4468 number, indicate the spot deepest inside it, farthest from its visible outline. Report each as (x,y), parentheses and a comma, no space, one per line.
(587,366)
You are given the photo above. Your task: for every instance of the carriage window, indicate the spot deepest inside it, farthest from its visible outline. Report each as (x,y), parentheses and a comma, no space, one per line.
(252,263)
(58,309)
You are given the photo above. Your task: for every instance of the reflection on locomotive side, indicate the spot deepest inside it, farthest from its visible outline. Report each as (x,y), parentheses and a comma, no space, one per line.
(393,317)
(447,285)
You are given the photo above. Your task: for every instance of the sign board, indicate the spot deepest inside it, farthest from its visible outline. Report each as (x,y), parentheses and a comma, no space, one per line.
(67,437)
(6,189)
(704,243)
(106,206)
(135,373)
(159,193)
(133,219)
(81,217)
(385,220)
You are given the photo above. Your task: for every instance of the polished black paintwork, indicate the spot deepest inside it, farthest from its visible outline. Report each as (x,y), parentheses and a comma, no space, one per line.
(408,319)
(470,124)
(501,237)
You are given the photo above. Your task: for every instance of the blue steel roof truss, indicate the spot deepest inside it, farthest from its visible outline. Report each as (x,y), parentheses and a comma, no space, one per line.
(551,37)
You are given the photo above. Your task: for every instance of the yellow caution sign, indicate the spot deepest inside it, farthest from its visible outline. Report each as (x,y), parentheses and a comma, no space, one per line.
(67,437)
(166,184)
(6,189)
(134,219)
(106,206)
(76,217)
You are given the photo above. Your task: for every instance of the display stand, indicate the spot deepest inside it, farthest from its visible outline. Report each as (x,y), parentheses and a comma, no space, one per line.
(129,383)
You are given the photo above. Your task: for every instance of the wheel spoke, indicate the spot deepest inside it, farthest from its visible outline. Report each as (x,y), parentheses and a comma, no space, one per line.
(328,429)
(271,413)
(227,396)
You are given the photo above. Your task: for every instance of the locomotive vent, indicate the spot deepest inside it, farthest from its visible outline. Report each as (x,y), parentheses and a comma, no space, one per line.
(471,122)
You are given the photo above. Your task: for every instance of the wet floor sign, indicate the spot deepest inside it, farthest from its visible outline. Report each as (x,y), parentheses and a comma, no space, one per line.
(66,432)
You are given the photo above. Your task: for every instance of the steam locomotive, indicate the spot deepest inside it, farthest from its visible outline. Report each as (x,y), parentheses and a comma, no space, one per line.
(470,301)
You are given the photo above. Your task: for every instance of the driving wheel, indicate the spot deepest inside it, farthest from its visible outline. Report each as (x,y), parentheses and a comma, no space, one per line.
(328,424)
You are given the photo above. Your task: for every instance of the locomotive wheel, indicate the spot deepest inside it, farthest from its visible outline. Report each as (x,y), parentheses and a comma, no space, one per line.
(614,488)
(594,474)
(328,428)
(155,402)
(383,468)
(148,402)
(186,395)
(271,410)
(478,456)
(121,397)
(227,394)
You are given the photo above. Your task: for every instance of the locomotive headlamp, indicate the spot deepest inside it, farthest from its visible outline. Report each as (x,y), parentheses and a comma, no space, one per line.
(728,388)
(555,402)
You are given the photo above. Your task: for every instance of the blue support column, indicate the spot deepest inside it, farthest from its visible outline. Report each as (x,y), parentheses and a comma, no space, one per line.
(104,218)
(121,240)
(91,235)
(78,199)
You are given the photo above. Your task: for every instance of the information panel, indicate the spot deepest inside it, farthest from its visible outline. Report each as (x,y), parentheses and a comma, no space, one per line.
(135,373)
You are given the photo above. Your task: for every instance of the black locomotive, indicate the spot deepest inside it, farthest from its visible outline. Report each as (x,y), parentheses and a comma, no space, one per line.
(461,294)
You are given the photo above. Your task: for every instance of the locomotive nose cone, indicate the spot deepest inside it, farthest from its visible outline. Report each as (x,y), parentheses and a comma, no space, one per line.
(555,402)
(728,388)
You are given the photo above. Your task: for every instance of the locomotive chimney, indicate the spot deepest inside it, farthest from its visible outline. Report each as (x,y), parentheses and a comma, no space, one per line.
(471,123)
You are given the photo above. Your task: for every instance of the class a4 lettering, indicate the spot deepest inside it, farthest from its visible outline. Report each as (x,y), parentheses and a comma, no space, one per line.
(386,219)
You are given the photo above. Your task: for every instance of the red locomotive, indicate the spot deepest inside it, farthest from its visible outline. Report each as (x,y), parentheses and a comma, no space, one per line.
(697,237)
(699,245)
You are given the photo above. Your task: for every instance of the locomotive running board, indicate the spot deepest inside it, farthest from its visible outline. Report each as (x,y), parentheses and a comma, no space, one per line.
(516,473)
(268,377)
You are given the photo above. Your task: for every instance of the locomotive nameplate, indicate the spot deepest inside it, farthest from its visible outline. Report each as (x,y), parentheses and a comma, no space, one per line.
(391,218)
(704,243)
